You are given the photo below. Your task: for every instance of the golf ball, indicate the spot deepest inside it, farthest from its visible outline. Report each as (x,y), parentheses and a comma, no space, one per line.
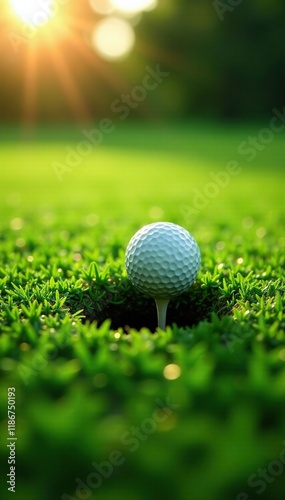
(162,260)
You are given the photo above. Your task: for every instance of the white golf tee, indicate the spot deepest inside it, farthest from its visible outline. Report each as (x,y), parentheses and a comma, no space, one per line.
(161,307)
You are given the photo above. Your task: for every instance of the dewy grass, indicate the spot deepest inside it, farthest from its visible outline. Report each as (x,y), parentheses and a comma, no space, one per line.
(196,411)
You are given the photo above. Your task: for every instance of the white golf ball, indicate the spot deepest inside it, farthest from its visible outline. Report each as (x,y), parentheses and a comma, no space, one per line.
(162,260)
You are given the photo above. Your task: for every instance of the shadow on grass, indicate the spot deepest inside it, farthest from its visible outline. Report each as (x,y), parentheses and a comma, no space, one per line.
(127,308)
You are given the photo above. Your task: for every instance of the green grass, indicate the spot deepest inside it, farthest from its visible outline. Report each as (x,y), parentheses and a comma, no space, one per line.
(80,345)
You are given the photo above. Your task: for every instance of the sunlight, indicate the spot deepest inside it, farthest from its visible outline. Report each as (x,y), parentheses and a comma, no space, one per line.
(133,6)
(34,12)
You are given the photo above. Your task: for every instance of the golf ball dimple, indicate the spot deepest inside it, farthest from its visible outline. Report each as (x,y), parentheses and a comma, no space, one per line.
(162,260)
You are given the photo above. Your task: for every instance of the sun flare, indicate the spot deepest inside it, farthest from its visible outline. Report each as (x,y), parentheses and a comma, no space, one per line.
(33,12)
(47,36)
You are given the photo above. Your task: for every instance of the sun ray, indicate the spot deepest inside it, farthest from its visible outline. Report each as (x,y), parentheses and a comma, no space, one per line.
(107,73)
(77,104)
(30,87)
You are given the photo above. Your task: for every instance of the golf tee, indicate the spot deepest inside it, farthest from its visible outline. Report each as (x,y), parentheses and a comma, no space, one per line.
(161,307)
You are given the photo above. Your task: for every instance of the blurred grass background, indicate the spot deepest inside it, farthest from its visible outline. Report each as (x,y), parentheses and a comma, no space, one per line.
(137,168)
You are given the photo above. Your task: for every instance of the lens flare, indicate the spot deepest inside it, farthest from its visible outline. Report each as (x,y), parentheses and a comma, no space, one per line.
(130,7)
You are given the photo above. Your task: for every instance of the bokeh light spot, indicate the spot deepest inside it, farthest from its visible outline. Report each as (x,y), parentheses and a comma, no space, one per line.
(113,38)
(77,257)
(260,232)
(16,224)
(133,6)
(156,213)
(282,354)
(172,371)
(20,242)
(24,346)
(103,7)
(220,245)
